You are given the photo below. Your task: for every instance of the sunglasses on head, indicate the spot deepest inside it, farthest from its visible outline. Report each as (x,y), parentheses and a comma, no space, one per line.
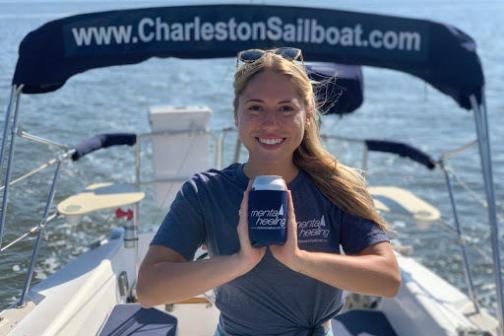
(252,55)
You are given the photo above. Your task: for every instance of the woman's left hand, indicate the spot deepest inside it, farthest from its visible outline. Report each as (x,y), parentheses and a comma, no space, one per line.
(289,253)
(374,271)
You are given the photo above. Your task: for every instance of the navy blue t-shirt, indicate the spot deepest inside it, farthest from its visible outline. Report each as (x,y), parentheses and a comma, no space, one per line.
(271,299)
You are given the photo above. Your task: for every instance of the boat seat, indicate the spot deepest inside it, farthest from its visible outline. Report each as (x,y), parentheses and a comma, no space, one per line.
(362,322)
(131,320)
(100,196)
(401,201)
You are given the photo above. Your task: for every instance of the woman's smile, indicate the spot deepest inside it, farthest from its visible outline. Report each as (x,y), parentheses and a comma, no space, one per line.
(270,141)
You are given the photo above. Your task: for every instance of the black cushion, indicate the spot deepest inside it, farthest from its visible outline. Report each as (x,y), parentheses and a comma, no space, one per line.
(132,319)
(362,322)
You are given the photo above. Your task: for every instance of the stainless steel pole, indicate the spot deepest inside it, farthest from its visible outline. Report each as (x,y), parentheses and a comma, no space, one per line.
(465,258)
(219,152)
(486,165)
(131,227)
(131,234)
(41,226)
(6,126)
(365,154)
(4,141)
(237,151)
(10,155)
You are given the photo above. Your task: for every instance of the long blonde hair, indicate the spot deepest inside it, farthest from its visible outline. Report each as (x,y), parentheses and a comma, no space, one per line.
(342,185)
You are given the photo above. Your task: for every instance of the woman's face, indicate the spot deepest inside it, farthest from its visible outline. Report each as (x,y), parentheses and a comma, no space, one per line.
(271,118)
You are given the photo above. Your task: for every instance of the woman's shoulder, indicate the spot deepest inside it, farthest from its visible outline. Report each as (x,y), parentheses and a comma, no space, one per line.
(310,199)
(305,186)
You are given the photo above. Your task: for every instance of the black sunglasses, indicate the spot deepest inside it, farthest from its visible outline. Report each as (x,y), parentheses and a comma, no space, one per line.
(252,55)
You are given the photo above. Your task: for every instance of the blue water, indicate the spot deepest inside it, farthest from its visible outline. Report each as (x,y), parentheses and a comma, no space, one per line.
(117,99)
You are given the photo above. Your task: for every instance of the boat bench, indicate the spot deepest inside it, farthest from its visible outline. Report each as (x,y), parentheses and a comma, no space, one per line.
(131,319)
(362,322)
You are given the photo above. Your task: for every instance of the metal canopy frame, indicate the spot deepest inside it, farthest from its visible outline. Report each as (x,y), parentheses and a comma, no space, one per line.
(10,123)
(482,131)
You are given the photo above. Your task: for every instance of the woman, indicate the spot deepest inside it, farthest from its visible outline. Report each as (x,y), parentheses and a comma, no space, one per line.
(293,289)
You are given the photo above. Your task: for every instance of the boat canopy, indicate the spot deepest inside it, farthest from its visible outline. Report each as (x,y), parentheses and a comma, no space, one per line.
(441,55)
(339,88)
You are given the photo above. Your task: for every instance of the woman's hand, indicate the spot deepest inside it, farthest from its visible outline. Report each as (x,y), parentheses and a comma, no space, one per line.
(289,254)
(374,271)
(249,256)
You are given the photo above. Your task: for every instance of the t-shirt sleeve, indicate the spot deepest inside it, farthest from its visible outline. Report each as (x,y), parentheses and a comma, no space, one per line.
(358,233)
(183,228)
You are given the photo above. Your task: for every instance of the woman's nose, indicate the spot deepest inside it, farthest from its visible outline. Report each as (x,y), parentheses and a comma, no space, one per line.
(269,118)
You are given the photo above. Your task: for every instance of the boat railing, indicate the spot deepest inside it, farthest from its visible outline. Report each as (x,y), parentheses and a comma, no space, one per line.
(449,174)
(68,152)
(131,230)
(84,148)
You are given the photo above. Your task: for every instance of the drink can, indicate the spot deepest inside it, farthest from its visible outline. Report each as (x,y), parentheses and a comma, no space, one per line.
(268,211)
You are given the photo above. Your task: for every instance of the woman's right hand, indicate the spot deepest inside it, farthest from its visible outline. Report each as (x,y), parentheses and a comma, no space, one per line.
(249,256)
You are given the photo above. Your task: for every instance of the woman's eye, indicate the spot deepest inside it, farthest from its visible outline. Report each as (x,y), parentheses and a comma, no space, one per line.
(254,108)
(286,109)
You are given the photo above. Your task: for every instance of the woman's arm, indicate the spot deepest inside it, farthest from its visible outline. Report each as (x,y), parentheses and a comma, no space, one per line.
(165,276)
(374,271)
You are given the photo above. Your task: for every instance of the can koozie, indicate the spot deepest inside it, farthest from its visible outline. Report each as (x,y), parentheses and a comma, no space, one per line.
(268,211)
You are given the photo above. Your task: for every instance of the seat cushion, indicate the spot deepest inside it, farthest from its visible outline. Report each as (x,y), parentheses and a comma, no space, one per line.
(362,323)
(132,319)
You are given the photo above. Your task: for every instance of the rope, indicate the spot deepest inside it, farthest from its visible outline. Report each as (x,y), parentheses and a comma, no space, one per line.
(475,195)
(26,234)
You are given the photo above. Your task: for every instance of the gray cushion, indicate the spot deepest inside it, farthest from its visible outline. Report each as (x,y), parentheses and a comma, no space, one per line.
(362,323)
(132,319)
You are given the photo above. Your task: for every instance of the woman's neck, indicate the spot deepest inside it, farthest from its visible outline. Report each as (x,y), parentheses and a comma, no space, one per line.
(287,171)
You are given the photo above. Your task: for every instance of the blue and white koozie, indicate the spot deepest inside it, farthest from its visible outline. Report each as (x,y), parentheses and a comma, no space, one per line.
(268,211)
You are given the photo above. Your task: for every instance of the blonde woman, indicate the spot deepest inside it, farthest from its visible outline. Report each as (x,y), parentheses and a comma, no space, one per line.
(295,288)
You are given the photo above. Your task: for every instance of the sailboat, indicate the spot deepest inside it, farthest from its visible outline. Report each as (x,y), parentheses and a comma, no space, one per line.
(94,294)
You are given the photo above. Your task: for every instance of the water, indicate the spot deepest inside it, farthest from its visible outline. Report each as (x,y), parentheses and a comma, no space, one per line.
(117,99)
